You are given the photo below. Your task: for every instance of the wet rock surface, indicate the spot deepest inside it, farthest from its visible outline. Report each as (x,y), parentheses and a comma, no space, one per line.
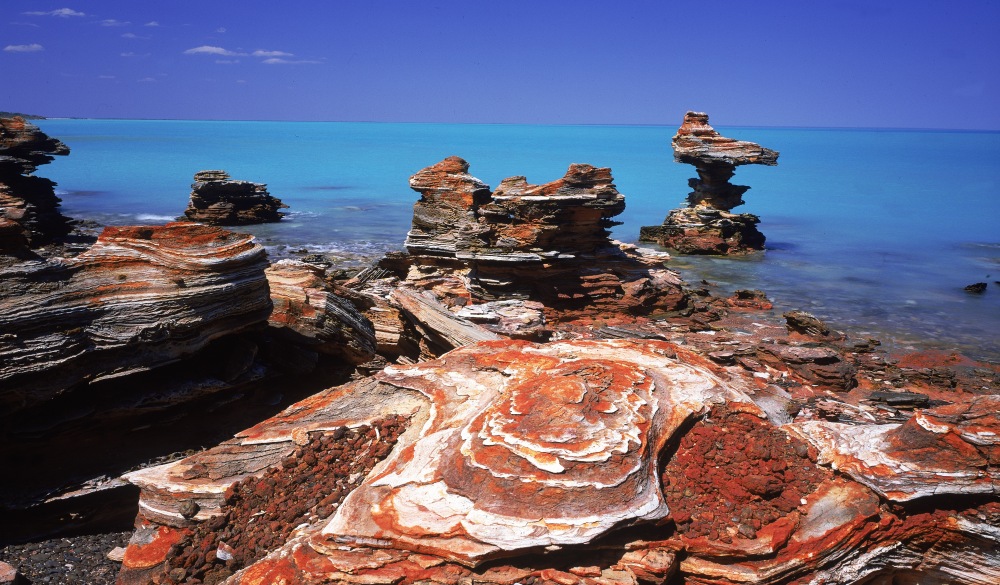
(218,200)
(706,225)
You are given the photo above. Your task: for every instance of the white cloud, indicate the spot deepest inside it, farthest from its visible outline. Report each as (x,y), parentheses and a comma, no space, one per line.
(221,29)
(241,81)
(227,61)
(32,48)
(26,24)
(113,22)
(133,54)
(60,12)
(260,53)
(288,62)
(152,23)
(148,80)
(210,50)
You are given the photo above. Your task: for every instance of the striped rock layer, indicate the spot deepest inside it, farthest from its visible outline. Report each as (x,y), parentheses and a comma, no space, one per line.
(140,297)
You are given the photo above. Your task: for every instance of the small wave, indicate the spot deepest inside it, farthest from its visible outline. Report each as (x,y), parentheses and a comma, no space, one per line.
(152,217)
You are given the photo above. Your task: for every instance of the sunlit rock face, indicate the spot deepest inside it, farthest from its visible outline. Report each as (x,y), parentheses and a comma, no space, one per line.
(706,225)
(218,200)
(547,243)
(529,446)
(308,312)
(953,449)
(141,297)
(29,208)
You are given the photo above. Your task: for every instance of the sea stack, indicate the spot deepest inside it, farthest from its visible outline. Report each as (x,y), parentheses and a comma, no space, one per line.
(706,225)
(29,208)
(218,200)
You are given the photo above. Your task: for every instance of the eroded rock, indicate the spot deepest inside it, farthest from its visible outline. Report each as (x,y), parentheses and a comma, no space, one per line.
(29,208)
(218,200)
(706,225)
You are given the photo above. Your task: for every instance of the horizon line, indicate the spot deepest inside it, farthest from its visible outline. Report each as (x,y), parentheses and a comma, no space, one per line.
(780,127)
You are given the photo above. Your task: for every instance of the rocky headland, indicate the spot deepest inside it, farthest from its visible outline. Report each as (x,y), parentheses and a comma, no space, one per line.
(517,398)
(706,225)
(217,199)
(29,208)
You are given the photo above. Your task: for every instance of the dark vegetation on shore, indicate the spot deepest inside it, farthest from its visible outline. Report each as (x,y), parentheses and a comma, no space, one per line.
(6,114)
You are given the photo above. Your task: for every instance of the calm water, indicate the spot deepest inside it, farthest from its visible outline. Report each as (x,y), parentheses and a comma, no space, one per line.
(876,231)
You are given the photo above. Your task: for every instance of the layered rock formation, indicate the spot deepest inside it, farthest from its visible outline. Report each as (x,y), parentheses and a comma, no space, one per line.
(591,462)
(29,208)
(218,200)
(706,225)
(141,297)
(538,243)
(309,314)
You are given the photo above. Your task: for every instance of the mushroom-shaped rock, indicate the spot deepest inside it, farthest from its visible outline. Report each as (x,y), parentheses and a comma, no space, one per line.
(705,226)
(529,446)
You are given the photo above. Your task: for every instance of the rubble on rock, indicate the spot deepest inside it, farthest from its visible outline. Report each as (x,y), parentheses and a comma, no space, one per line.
(218,200)
(591,462)
(706,225)
(29,208)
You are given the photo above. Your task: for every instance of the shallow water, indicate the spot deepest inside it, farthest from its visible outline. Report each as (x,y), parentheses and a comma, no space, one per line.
(877,231)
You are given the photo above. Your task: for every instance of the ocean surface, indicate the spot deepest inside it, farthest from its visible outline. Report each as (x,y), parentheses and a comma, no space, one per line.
(876,231)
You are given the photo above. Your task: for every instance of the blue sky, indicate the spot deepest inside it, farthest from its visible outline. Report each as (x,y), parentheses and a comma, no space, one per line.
(865,63)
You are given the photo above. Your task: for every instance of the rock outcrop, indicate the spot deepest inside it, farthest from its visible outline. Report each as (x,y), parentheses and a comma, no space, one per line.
(141,297)
(218,200)
(29,208)
(706,225)
(590,462)
(547,244)
(308,313)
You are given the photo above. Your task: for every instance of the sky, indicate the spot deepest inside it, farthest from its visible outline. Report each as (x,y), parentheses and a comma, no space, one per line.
(864,63)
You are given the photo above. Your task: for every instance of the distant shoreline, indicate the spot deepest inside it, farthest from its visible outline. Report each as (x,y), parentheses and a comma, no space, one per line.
(25,116)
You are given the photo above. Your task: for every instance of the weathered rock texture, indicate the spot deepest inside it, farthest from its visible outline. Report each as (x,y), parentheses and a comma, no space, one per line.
(545,244)
(591,462)
(218,200)
(706,225)
(29,208)
(308,313)
(141,297)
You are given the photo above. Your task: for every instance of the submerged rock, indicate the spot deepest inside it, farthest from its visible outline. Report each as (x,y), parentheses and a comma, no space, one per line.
(218,200)
(706,225)
(29,208)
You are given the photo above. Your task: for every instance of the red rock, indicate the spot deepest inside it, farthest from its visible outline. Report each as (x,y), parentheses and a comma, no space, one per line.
(308,312)
(545,243)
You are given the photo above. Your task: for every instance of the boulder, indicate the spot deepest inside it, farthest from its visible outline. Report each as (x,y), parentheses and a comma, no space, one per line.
(218,200)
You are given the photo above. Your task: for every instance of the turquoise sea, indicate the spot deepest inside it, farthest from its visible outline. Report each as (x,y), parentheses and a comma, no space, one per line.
(877,231)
